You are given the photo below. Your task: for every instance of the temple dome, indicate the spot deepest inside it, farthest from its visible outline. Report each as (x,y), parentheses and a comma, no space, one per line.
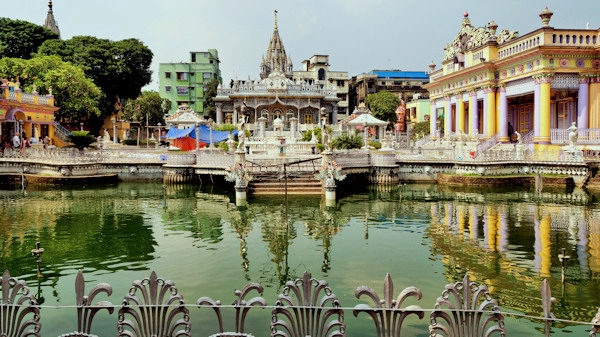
(276,81)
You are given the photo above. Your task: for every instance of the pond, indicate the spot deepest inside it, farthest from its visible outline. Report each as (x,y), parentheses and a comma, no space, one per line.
(423,235)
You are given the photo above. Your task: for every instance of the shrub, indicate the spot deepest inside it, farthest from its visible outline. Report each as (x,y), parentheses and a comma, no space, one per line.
(421,128)
(81,139)
(345,142)
(224,127)
(320,147)
(375,144)
(306,136)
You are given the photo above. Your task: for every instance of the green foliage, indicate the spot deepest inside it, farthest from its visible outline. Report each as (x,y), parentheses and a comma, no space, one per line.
(75,94)
(441,124)
(320,147)
(376,144)
(81,139)
(129,142)
(318,134)
(148,103)
(306,136)
(119,68)
(209,93)
(421,128)
(224,127)
(383,105)
(345,142)
(20,39)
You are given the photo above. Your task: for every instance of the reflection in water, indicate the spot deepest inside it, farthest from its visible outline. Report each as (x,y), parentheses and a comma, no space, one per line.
(508,240)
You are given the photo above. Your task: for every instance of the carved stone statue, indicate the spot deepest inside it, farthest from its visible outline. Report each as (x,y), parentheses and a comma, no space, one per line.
(519,140)
(105,138)
(573,135)
(242,134)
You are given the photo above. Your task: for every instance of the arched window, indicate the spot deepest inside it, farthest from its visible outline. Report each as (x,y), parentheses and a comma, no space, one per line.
(587,39)
(574,39)
(594,40)
(321,74)
(308,118)
(560,39)
(580,39)
(553,38)
(568,37)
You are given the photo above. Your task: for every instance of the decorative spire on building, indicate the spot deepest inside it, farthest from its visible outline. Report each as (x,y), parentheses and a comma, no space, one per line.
(50,22)
(275,59)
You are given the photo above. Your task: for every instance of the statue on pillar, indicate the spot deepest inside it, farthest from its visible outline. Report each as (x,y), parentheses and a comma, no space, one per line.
(573,135)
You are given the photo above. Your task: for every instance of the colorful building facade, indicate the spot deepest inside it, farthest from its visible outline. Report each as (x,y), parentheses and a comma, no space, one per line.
(538,84)
(28,113)
(185,83)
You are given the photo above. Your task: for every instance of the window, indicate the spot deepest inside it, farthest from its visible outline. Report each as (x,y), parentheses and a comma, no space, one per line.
(308,119)
(168,74)
(321,74)
(594,40)
(182,76)
(207,76)
(193,57)
(192,74)
(574,39)
(211,61)
(587,39)
(168,88)
(182,91)
(560,39)
(580,39)
(340,83)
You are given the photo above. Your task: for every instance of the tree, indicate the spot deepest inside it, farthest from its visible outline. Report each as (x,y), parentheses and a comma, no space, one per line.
(209,94)
(119,68)
(20,39)
(384,105)
(76,95)
(81,139)
(148,103)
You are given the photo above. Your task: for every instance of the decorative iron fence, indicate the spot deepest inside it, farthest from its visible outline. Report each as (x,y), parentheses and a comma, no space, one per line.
(306,307)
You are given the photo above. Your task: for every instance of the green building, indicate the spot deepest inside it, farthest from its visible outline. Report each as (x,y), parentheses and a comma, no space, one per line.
(185,83)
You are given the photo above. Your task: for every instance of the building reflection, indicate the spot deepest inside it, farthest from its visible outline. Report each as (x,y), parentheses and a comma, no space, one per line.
(497,255)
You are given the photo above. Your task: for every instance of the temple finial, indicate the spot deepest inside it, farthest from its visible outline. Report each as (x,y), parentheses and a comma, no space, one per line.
(50,4)
(275,19)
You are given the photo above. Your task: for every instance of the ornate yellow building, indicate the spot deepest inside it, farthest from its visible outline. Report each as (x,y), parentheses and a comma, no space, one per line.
(538,83)
(29,113)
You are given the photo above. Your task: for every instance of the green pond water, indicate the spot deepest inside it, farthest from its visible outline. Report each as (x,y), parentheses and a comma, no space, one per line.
(424,236)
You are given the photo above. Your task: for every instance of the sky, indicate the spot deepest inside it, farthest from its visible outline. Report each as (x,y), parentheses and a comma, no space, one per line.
(359,35)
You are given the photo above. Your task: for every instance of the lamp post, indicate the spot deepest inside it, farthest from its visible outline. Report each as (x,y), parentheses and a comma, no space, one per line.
(114,122)
(147,131)
(210,124)
(158,135)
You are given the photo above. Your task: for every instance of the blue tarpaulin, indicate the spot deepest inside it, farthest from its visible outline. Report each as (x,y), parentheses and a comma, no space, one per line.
(203,134)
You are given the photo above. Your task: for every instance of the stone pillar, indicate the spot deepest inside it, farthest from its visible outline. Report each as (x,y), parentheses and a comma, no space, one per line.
(294,127)
(447,118)
(503,135)
(262,127)
(490,115)
(473,114)
(235,117)
(582,103)
(334,114)
(460,114)
(115,136)
(240,196)
(433,121)
(594,104)
(544,137)
(219,107)
(536,110)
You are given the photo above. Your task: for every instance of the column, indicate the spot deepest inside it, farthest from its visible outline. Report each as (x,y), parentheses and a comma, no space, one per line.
(334,115)
(433,121)
(545,81)
(473,113)
(546,249)
(594,103)
(219,107)
(490,115)
(460,114)
(447,118)
(485,112)
(536,110)
(503,135)
(582,103)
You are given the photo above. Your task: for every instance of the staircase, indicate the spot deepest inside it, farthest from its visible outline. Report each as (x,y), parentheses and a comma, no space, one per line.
(61,135)
(304,184)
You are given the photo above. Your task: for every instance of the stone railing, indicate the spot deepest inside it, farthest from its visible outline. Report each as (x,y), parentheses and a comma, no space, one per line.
(486,145)
(306,307)
(585,136)
(273,148)
(181,159)
(352,158)
(214,159)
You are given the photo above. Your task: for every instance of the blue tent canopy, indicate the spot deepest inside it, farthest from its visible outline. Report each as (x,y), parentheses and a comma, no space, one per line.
(203,134)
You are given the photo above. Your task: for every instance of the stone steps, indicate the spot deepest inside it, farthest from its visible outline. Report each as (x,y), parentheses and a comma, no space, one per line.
(295,185)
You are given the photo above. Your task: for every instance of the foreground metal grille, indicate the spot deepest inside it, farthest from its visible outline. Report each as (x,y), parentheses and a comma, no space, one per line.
(153,307)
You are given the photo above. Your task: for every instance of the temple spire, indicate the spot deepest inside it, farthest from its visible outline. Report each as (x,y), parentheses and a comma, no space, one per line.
(275,58)
(50,21)
(275,19)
